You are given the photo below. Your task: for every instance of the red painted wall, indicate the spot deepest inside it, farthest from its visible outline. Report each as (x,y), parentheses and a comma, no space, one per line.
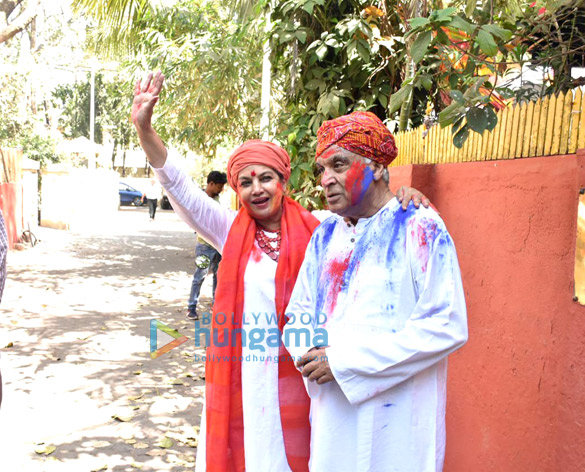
(11,206)
(516,392)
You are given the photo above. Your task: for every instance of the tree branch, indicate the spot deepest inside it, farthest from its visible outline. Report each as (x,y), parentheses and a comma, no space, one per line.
(21,21)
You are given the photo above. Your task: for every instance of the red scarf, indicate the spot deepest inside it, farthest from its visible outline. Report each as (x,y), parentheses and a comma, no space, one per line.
(225,419)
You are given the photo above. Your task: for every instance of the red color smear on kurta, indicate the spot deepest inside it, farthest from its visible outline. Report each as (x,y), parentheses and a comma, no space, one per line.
(335,272)
(425,231)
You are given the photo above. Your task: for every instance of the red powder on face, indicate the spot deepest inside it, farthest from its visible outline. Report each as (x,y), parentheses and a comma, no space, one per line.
(253,174)
(355,180)
(328,153)
(336,271)
(277,199)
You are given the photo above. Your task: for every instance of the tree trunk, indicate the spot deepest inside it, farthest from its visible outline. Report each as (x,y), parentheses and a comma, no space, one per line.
(21,21)
(406,108)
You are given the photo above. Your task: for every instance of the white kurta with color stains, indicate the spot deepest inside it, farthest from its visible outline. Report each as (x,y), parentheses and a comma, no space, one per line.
(390,290)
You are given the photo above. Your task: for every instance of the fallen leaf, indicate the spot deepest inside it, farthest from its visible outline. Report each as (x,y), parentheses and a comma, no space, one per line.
(136,407)
(103,467)
(191,443)
(130,441)
(123,418)
(137,372)
(153,281)
(165,443)
(135,397)
(14,322)
(45,450)
(136,466)
(85,339)
(177,382)
(10,344)
(140,446)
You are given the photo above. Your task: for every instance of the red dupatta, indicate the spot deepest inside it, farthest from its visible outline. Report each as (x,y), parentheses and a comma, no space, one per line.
(224,409)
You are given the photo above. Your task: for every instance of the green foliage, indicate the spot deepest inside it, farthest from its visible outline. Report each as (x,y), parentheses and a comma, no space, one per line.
(488,39)
(212,63)
(39,148)
(330,58)
(75,103)
(213,67)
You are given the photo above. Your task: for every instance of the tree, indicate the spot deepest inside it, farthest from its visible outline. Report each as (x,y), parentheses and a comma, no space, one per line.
(18,14)
(211,61)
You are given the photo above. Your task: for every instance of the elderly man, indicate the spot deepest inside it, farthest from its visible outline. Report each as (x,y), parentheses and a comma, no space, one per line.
(385,286)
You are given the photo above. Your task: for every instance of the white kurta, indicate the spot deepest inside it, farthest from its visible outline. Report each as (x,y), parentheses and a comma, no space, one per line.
(390,290)
(263,440)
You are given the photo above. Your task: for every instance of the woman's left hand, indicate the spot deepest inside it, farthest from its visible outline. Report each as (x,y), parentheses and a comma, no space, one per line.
(407,194)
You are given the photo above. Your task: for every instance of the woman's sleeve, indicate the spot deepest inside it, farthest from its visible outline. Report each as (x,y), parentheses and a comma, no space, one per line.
(206,216)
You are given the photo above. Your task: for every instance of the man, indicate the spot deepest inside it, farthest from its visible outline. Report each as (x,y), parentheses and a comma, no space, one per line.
(3,253)
(152,195)
(206,257)
(385,286)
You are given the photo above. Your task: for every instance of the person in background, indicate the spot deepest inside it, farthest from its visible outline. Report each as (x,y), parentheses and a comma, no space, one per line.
(3,253)
(206,256)
(152,195)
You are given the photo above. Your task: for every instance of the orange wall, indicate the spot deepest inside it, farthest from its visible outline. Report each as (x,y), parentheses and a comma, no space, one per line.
(516,392)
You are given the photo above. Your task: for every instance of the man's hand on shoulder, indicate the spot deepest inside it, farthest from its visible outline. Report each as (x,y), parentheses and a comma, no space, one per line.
(315,366)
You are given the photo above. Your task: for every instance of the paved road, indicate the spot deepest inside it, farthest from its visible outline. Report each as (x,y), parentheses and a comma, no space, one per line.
(79,377)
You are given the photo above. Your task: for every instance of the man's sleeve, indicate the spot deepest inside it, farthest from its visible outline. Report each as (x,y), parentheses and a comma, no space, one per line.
(206,216)
(299,331)
(436,327)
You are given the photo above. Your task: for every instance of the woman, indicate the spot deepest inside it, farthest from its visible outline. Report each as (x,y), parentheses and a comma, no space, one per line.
(257,412)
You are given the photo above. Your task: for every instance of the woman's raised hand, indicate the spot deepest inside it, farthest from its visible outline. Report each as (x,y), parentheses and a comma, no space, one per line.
(146,94)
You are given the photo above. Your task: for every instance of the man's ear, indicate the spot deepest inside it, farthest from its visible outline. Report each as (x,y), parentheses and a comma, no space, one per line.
(377,169)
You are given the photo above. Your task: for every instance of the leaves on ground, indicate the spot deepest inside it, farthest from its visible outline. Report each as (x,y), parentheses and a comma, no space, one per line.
(165,443)
(46,450)
(122,417)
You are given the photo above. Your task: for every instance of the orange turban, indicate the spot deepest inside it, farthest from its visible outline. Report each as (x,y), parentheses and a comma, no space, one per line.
(256,151)
(360,132)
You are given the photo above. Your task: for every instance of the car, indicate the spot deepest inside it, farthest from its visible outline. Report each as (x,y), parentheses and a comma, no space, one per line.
(129,195)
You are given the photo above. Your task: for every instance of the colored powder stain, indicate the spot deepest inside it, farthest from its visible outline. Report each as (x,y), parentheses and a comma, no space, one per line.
(385,426)
(323,234)
(253,174)
(386,405)
(336,272)
(426,233)
(277,199)
(359,177)
(256,254)
(396,231)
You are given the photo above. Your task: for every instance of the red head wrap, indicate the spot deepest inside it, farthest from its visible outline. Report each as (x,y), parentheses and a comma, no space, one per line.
(260,152)
(360,132)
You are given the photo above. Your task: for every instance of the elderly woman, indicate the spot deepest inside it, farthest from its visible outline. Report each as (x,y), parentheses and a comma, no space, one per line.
(257,412)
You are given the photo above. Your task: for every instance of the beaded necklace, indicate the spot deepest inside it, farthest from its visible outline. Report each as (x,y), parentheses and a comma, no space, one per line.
(270,246)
